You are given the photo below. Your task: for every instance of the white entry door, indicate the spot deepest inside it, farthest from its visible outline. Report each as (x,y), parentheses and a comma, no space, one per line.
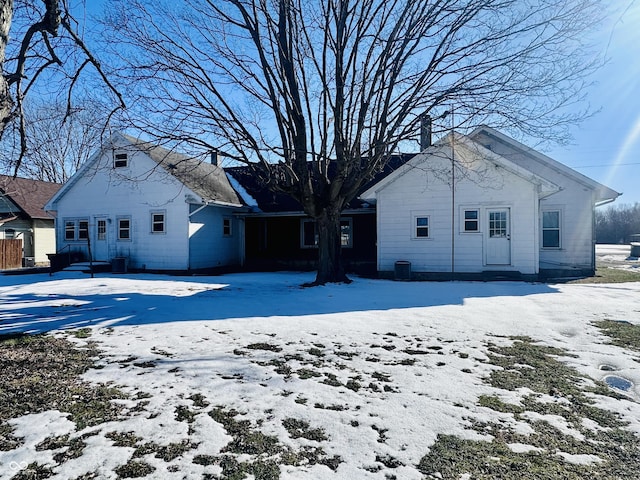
(100,240)
(498,246)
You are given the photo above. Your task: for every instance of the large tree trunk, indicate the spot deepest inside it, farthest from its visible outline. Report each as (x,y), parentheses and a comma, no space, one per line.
(330,266)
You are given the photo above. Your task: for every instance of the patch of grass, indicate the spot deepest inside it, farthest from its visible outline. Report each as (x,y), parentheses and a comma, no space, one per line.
(609,275)
(264,346)
(184,414)
(301,429)
(81,333)
(306,373)
(41,373)
(331,380)
(34,471)
(246,439)
(536,367)
(622,334)
(124,439)
(174,450)
(134,469)
(334,407)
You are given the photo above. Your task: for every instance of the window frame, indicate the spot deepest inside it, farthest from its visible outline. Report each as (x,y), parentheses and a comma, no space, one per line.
(227,227)
(120,159)
(154,222)
(416,227)
(129,229)
(464,220)
(557,228)
(78,228)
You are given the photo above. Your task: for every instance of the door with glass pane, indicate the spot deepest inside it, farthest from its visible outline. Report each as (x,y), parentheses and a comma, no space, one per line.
(100,242)
(498,246)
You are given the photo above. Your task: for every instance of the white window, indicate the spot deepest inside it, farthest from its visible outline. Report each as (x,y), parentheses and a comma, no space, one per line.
(83,230)
(124,229)
(69,230)
(158,224)
(309,234)
(226,227)
(76,230)
(421,226)
(471,220)
(551,229)
(120,160)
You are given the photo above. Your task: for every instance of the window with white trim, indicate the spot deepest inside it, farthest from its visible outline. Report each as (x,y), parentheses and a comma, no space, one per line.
(158,224)
(120,160)
(551,229)
(124,228)
(226,227)
(471,220)
(76,230)
(421,226)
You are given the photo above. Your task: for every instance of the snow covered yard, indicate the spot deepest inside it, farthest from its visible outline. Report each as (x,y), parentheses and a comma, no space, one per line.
(251,376)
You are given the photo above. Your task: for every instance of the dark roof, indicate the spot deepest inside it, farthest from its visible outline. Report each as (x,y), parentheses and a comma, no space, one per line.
(30,195)
(276,202)
(205,179)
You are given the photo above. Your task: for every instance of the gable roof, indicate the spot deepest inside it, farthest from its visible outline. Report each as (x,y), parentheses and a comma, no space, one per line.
(258,195)
(470,146)
(29,195)
(206,180)
(540,161)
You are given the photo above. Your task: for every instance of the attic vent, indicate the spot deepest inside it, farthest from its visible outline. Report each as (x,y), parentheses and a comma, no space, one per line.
(120,160)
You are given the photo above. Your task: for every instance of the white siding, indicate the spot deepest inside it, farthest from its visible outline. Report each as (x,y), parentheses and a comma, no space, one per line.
(575,201)
(134,192)
(425,190)
(209,246)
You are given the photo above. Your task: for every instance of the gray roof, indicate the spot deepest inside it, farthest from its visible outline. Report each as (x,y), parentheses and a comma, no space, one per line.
(206,180)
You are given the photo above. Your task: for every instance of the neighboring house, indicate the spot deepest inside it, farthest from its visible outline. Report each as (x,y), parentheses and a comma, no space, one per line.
(158,209)
(512,211)
(22,216)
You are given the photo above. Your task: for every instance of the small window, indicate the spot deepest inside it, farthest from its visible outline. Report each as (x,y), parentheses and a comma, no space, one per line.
(471,221)
(9,233)
(69,230)
(83,230)
(120,160)
(124,229)
(226,227)
(551,229)
(421,227)
(102,229)
(157,222)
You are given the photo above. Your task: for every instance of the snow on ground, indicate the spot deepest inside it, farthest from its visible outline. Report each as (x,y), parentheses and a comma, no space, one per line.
(224,337)
(617,256)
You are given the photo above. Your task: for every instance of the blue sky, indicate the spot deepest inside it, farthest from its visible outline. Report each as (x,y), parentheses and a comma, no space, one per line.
(606,146)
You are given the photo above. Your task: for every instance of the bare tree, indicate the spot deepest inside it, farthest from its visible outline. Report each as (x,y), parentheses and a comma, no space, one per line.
(59,140)
(39,41)
(315,94)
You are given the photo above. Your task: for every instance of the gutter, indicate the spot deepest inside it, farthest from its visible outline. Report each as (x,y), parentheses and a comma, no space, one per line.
(212,203)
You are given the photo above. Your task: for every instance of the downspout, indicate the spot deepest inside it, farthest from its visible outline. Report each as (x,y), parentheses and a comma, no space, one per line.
(453,197)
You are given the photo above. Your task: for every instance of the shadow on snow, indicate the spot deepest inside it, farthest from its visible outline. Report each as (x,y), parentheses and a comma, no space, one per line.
(39,303)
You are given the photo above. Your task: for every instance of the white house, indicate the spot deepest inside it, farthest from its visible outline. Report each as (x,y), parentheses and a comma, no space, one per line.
(158,209)
(485,204)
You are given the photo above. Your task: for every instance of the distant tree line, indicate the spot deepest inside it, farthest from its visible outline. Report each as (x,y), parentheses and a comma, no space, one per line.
(616,224)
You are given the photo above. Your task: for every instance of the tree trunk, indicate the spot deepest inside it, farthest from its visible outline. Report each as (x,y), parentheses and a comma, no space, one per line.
(6,102)
(330,266)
